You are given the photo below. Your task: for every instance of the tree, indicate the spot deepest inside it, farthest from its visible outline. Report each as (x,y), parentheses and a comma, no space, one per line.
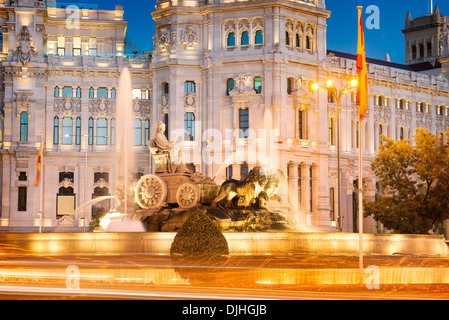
(415,180)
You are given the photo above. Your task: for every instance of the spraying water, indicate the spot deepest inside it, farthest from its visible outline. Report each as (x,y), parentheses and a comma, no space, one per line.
(121,221)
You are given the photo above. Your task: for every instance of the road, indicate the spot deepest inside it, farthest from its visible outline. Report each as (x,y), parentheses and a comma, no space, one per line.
(250,278)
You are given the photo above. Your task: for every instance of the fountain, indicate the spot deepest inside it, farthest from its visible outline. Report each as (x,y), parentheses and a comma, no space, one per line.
(122,220)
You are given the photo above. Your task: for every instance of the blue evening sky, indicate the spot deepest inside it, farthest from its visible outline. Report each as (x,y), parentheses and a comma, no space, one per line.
(341,30)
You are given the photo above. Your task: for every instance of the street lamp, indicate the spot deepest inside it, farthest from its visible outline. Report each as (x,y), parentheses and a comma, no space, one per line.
(338,93)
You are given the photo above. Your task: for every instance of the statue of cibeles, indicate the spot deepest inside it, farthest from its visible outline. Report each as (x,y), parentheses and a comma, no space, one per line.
(172,160)
(254,190)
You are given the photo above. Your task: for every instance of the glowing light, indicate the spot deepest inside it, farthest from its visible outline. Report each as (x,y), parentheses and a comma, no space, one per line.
(315,86)
(329,83)
(354,83)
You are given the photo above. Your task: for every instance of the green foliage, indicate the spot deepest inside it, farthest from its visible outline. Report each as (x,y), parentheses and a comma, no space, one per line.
(415,181)
(199,237)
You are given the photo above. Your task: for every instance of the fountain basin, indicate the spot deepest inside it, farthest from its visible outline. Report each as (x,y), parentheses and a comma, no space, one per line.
(239,243)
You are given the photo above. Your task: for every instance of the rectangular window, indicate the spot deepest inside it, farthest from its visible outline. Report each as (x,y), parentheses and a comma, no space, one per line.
(91,131)
(67,127)
(56,130)
(24,127)
(76,46)
(229,85)
(300,124)
(22,176)
(93,46)
(78,131)
(189,87)
(61,45)
(331,131)
(243,123)
(189,126)
(112,131)
(136,94)
(137,132)
(22,199)
(258,84)
(67,92)
(147,130)
(102,131)
(102,93)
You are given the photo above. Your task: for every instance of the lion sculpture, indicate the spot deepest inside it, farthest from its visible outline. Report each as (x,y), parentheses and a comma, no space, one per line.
(256,189)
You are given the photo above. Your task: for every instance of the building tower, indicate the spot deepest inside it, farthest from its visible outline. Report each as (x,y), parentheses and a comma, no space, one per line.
(423,37)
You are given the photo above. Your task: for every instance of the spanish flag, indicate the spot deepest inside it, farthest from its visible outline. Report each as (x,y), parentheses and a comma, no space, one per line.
(39,163)
(362,90)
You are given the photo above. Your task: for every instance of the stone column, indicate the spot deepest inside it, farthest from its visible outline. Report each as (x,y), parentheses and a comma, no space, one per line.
(305,190)
(293,192)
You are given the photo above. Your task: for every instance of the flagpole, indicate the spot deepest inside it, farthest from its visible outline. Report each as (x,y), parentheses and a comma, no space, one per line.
(363,104)
(360,204)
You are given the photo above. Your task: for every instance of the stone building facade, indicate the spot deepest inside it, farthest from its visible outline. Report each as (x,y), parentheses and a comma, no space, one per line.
(229,78)
(60,69)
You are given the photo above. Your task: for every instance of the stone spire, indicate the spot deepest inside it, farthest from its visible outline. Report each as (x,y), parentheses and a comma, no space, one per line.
(436,14)
(408,20)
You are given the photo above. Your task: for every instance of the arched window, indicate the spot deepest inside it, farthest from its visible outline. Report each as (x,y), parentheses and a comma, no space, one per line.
(56,92)
(429,49)
(289,85)
(67,92)
(421,50)
(91,131)
(102,131)
(56,130)
(165,119)
(189,126)
(258,39)
(112,131)
(78,92)
(78,131)
(147,130)
(24,126)
(308,43)
(401,133)
(137,132)
(380,134)
(67,128)
(298,40)
(91,93)
(414,55)
(244,41)
(230,41)
(287,38)
(113,93)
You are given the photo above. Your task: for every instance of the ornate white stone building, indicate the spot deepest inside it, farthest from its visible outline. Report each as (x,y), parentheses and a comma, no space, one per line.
(222,74)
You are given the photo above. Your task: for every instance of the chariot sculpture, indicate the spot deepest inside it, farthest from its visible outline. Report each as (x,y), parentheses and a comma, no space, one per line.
(172,182)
